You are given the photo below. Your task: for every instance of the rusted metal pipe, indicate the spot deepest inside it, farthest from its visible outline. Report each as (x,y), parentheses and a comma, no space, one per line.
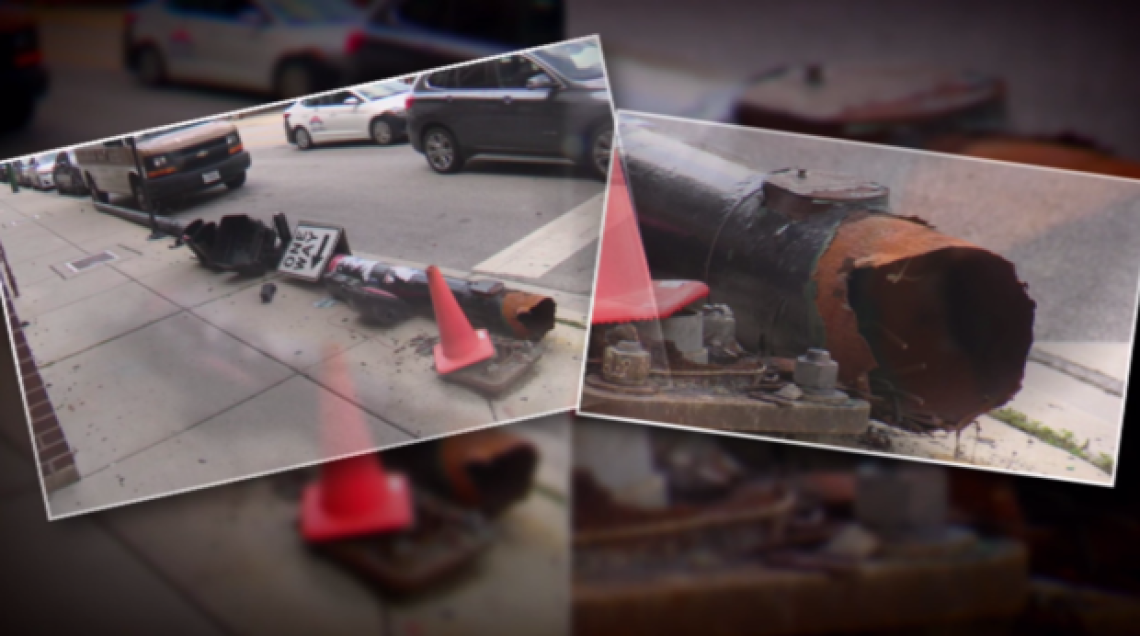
(487,470)
(488,304)
(936,329)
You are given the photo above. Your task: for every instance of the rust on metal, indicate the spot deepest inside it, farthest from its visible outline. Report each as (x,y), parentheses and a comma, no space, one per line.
(912,312)
(489,469)
(528,314)
(486,471)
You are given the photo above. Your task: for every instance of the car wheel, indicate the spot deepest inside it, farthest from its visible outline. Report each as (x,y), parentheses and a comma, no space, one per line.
(142,201)
(303,139)
(96,195)
(601,151)
(442,151)
(381,132)
(151,67)
(236,182)
(295,79)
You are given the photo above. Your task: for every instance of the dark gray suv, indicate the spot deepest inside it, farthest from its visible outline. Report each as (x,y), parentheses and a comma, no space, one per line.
(549,102)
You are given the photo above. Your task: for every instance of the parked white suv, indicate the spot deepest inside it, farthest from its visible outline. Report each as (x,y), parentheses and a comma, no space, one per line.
(373,111)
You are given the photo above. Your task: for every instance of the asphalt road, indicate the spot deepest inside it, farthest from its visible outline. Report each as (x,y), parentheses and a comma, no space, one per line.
(1073,237)
(392,204)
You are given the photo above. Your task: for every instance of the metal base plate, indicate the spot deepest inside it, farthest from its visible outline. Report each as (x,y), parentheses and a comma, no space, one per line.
(729,411)
(513,360)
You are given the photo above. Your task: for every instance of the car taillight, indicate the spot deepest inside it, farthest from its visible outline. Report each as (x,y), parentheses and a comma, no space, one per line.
(286,115)
(408,101)
(354,42)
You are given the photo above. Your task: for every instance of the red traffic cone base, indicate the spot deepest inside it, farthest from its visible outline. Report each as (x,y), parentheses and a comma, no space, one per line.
(459,345)
(355,497)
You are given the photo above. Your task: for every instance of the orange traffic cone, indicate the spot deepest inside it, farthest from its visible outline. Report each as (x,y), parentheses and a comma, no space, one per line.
(354,496)
(625,290)
(459,345)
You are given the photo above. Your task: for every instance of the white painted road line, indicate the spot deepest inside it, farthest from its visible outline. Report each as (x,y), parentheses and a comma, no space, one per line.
(542,250)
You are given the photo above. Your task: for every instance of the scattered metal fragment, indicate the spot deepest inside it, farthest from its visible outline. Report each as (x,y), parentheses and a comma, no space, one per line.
(268,291)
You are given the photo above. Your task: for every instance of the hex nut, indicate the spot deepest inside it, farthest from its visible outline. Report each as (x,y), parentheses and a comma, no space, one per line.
(816,371)
(626,363)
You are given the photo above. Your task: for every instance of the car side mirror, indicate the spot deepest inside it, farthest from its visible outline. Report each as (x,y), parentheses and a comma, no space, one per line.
(540,82)
(352,101)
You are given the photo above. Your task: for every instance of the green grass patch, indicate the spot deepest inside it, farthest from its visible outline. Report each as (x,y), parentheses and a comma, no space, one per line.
(1063,439)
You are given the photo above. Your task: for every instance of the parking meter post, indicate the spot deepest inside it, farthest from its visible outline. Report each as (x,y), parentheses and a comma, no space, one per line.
(155,233)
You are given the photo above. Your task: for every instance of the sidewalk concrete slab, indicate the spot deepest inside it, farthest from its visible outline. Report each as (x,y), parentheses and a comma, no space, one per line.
(554,381)
(68,330)
(78,561)
(38,268)
(140,389)
(289,329)
(1065,388)
(81,223)
(279,429)
(192,286)
(1109,358)
(521,586)
(29,240)
(400,386)
(1054,411)
(54,293)
(236,551)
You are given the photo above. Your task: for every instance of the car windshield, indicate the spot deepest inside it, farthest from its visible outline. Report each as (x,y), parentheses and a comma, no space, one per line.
(314,10)
(380,90)
(578,61)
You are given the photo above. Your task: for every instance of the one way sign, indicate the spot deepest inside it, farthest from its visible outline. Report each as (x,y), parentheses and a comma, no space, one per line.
(312,247)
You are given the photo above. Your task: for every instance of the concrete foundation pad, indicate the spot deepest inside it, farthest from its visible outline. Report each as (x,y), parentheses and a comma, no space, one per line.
(729,413)
(553,383)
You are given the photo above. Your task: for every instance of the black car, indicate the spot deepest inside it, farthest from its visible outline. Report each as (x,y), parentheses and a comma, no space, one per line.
(22,74)
(551,102)
(67,175)
(403,37)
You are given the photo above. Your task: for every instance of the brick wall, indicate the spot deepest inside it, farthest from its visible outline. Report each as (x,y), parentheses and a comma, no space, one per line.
(54,455)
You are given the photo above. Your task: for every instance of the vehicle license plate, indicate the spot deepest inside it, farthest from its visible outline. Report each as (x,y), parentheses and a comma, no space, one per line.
(211,176)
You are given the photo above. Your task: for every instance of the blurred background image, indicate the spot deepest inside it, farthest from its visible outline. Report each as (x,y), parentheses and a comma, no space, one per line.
(679,532)
(1046,83)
